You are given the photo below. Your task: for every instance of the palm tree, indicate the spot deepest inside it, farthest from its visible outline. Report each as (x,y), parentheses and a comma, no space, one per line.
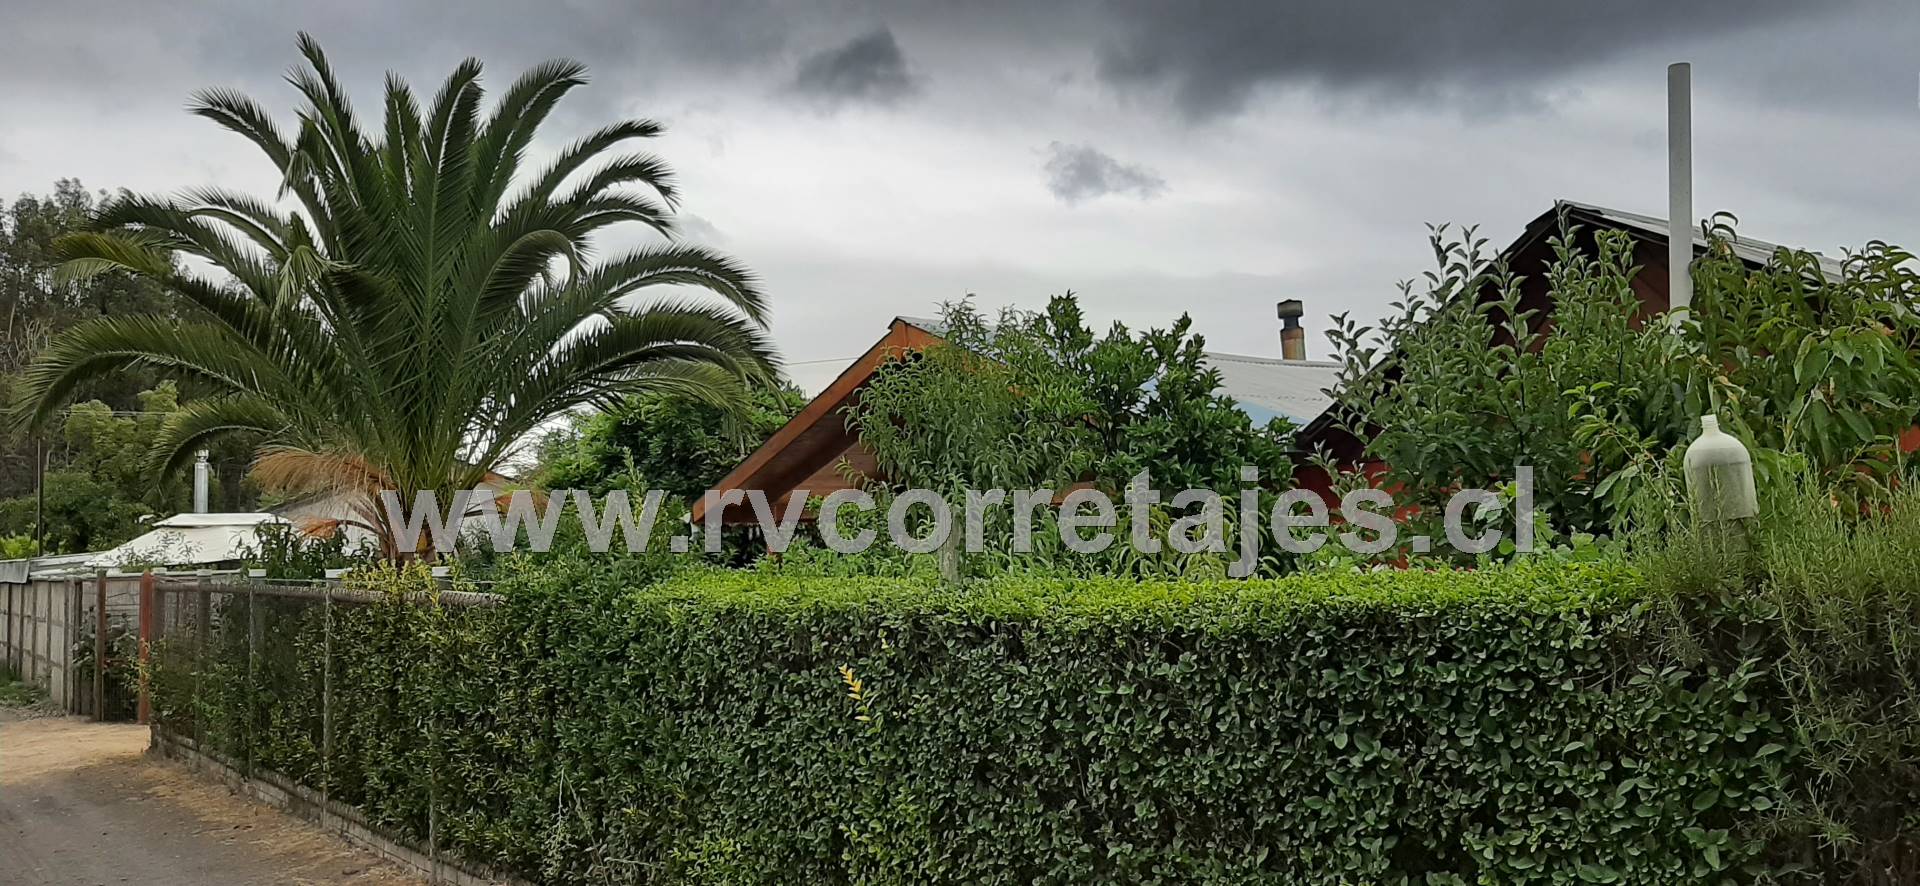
(411,305)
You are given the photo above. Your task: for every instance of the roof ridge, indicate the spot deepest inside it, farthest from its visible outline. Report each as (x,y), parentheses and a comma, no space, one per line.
(1276,361)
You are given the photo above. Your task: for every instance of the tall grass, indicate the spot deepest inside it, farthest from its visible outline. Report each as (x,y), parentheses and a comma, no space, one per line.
(1826,594)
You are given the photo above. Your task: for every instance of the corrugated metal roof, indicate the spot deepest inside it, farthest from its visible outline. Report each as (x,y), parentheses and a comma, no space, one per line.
(191,539)
(1758,252)
(1267,387)
(58,566)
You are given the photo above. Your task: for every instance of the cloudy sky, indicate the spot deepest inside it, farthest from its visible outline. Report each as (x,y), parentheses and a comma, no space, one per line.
(872,159)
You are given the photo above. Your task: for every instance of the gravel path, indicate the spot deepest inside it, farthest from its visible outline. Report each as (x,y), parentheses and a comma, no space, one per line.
(81,803)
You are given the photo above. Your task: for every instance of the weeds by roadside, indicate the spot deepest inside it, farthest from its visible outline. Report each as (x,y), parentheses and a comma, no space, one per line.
(17,697)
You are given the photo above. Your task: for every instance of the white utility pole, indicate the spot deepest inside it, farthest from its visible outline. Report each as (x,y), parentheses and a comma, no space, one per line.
(1679,186)
(1718,467)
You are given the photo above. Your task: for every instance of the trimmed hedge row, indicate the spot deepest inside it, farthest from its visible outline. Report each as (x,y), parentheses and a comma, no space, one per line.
(1500,726)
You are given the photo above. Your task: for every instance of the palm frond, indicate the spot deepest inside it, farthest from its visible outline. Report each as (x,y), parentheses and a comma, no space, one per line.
(522,109)
(644,169)
(577,155)
(200,421)
(97,347)
(86,254)
(294,470)
(681,264)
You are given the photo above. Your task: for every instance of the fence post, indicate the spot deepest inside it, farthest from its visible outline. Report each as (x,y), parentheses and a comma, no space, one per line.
(253,688)
(202,629)
(100,644)
(433,742)
(326,701)
(42,635)
(77,592)
(204,618)
(148,611)
(13,649)
(33,636)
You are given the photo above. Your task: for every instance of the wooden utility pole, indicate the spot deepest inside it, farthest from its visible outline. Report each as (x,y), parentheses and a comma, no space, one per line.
(39,495)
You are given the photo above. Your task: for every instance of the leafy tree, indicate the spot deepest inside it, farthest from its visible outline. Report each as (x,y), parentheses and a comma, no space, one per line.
(112,446)
(1158,406)
(1814,371)
(1821,367)
(667,441)
(101,485)
(1083,407)
(942,418)
(82,512)
(1037,400)
(428,303)
(1475,384)
(35,304)
(35,299)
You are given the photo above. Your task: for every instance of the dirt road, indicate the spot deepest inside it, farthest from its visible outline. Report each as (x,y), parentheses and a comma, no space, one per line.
(81,803)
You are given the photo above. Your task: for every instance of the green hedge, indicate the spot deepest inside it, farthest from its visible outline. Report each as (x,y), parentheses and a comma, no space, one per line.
(1504,726)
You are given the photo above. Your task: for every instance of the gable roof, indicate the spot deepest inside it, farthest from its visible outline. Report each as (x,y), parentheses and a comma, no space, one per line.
(815,436)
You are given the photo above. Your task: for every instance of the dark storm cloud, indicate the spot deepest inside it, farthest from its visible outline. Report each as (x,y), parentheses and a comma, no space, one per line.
(148,52)
(870,68)
(1209,56)
(1206,57)
(1082,172)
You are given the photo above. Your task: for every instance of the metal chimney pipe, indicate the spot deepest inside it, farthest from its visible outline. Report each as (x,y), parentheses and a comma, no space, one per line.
(202,472)
(1679,186)
(1293,339)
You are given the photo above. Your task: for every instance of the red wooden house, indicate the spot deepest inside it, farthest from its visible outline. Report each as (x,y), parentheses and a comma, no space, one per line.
(811,454)
(806,456)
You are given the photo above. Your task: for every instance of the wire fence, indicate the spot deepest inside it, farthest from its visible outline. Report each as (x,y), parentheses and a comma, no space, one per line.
(249,674)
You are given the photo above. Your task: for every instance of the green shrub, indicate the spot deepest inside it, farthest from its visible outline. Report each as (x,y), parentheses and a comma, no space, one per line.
(1815,367)
(1445,727)
(122,678)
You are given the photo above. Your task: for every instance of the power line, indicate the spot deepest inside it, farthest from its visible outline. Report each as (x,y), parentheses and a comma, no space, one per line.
(826,360)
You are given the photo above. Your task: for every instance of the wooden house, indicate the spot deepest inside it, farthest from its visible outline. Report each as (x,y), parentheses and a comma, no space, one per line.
(811,455)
